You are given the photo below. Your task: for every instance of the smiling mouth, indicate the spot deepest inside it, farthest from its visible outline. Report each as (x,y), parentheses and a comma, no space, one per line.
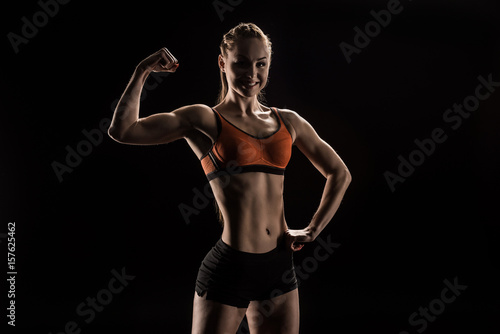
(251,84)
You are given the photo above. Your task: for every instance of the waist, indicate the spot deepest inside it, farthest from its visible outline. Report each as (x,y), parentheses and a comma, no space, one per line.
(253,238)
(226,248)
(252,208)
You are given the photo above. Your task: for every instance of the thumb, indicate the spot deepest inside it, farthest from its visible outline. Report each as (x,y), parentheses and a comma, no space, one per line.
(295,243)
(296,246)
(172,67)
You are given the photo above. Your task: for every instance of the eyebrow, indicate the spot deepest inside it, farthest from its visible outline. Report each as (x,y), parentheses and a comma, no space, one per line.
(238,55)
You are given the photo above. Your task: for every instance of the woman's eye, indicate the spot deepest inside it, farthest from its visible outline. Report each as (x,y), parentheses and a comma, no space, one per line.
(261,64)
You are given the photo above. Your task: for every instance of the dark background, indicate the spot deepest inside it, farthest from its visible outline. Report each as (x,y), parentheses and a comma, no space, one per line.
(118,208)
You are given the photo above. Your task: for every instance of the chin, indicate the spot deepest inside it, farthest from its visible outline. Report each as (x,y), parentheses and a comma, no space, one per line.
(249,92)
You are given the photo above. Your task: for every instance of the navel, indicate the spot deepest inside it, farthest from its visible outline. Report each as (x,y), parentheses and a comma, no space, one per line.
(268,232)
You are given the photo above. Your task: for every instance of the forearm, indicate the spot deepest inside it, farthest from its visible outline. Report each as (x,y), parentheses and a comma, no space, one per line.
(335,188)
(127,110)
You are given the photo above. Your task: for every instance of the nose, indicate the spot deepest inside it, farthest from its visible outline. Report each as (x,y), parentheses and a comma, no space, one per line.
(251,72)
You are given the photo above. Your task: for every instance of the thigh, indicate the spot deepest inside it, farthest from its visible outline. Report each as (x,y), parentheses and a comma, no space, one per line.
(210,316)
(276,315)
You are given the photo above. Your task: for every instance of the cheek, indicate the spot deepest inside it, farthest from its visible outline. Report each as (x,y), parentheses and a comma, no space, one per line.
(236,71)
(263,75)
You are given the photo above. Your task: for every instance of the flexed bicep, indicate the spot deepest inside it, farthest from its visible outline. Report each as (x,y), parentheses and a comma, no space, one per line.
(155,129)
(127,127)
(163,128)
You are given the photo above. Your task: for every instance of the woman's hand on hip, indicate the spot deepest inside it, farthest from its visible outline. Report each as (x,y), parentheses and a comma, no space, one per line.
(295,239)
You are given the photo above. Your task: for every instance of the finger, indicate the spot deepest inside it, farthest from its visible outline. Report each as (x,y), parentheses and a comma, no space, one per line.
(299,247)
(295,244)
(172,67)
(170,55)
(164,62)
(296,247)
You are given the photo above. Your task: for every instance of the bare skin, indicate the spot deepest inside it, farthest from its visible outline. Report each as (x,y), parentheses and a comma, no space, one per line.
(251,203)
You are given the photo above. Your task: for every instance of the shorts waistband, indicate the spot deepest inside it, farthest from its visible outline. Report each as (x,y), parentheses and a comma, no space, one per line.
(225,248)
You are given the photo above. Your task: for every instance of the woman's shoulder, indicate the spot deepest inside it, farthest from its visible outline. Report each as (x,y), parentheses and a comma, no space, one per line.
(286,112)
(199,107)
(295,121)
(199,115)
(197,110)
(289,115)
(291,119)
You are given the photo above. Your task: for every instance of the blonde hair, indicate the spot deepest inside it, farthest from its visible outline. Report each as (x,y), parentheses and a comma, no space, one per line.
(241,31)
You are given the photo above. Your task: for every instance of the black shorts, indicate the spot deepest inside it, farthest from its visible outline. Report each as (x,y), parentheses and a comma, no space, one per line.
(233,277)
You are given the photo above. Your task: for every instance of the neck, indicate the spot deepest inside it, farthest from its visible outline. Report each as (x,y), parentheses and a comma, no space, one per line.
(243,104)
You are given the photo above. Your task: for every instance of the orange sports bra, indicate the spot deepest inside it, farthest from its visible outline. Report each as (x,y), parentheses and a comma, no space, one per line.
(235,151)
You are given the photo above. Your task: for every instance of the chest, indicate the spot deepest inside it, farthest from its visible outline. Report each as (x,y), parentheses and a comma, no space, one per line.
(234,145)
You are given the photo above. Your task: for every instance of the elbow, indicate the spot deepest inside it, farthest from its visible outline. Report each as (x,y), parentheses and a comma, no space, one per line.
(115,134)
(341,176)
(120,133)
(345,177)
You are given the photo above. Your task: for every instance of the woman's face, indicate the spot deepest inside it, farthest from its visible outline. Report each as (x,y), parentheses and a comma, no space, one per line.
(247,66)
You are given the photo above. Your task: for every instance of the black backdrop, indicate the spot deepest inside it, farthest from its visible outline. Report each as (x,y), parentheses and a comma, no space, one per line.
(117,207)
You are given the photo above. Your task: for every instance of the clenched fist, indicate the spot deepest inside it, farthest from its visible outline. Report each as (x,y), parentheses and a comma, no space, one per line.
(160,61)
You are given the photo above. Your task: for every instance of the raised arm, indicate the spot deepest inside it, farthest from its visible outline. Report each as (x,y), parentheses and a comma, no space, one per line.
(126,126)
(328,163)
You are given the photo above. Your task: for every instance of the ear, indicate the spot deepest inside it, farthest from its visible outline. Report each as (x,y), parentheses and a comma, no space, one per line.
(222,63)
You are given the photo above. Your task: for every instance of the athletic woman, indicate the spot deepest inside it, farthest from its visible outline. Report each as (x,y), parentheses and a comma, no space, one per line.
(244,147)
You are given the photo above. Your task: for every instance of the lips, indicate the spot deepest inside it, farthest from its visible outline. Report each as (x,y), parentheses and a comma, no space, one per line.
(250,84)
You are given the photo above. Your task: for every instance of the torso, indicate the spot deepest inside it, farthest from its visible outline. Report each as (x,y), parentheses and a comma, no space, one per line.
(251,203)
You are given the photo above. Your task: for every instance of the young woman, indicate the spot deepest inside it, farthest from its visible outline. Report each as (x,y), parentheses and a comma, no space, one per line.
(244,147)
